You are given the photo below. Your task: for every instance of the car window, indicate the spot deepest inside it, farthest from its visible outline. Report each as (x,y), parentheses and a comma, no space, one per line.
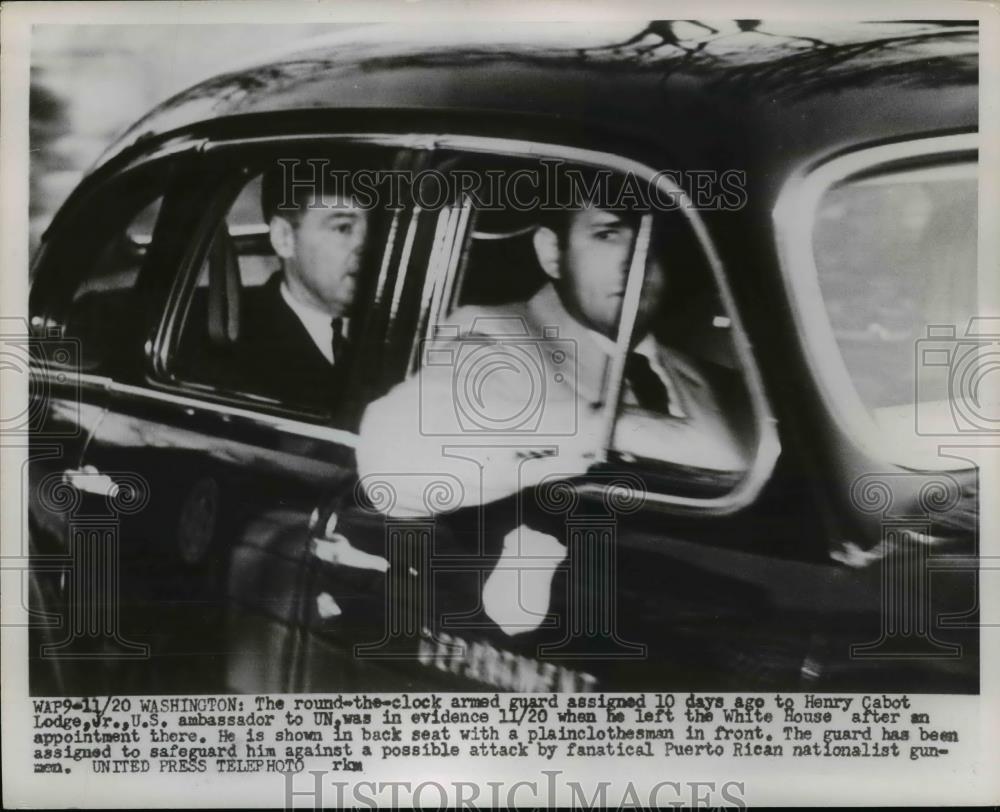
(258,315)
(90,275)
(896,261)
(686,417)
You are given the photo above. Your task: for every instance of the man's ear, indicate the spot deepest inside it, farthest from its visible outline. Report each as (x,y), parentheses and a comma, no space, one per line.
(547,250)
(282,235)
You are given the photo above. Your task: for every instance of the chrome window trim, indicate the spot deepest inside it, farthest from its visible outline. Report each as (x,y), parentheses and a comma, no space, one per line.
(626,326)
(456,252)
(285,424)
(385,267)
(171,326)
(58,375)
(404,266)
(768,446)
(413,141)
(438,268)
(794,217)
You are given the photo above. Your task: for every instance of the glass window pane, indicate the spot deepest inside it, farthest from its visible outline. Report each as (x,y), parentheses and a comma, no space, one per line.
(276,317)
(896,255)
(553,277)
(104,315)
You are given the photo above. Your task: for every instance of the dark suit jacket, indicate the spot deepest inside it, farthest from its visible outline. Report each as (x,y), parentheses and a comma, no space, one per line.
(277,357)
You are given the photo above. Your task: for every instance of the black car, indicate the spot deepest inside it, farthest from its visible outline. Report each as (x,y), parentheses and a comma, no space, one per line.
(823,239)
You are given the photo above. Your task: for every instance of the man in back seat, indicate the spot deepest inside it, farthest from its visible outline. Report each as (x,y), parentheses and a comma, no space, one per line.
(296,327)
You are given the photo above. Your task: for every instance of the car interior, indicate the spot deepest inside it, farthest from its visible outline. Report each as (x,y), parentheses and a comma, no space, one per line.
(497,265)
(104,314)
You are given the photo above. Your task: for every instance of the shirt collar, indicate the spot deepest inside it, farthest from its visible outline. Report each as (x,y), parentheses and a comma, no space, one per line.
(650,349)
(647,347)
(547,309)
(318,323)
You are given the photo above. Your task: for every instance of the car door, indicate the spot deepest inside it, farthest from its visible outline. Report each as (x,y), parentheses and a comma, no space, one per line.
(878,245)
(215,547)
(94,293)
(642,577)
(659,568)
(656,584)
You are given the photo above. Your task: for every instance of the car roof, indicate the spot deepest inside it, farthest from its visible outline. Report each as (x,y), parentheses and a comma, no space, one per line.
(753,92)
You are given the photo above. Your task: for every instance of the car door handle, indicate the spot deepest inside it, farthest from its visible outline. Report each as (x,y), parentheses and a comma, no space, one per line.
(89,480)
(339,551)
(335,548)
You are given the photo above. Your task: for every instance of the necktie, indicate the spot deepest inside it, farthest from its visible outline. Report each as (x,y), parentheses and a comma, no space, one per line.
(646,384)
(337,341)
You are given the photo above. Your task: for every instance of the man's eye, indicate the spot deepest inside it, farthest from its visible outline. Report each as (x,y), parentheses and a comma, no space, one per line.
(607,234)
(346,229)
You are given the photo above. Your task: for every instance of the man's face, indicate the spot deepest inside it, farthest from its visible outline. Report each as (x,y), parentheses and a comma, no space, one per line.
(593,263)
(322,249)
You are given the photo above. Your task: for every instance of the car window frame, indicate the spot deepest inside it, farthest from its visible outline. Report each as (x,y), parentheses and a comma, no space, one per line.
(420,143)
(54,290)
(768,446)
(794,218)
(226,400)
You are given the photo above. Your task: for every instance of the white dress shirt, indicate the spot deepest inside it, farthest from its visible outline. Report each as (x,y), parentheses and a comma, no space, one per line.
(318,323)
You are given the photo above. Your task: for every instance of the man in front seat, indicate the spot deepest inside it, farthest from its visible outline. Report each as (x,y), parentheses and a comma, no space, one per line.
(585,253)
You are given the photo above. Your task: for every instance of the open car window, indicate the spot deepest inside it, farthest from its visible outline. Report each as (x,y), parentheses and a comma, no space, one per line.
(256,316)
(487,282)
(94,293)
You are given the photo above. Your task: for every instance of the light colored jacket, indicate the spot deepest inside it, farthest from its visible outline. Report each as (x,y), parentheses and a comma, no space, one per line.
(509,395)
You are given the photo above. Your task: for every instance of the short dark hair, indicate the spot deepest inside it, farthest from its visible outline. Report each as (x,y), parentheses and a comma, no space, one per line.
(276,192)
(288,185)
(590,186)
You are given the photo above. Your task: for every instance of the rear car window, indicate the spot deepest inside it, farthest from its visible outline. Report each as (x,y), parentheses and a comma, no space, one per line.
(238,336)
(93,268)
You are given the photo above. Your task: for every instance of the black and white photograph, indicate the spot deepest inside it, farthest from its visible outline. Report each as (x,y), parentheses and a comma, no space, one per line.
(642,365)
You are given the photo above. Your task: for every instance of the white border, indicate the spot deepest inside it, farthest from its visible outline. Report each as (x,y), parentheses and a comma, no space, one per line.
(975,781)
